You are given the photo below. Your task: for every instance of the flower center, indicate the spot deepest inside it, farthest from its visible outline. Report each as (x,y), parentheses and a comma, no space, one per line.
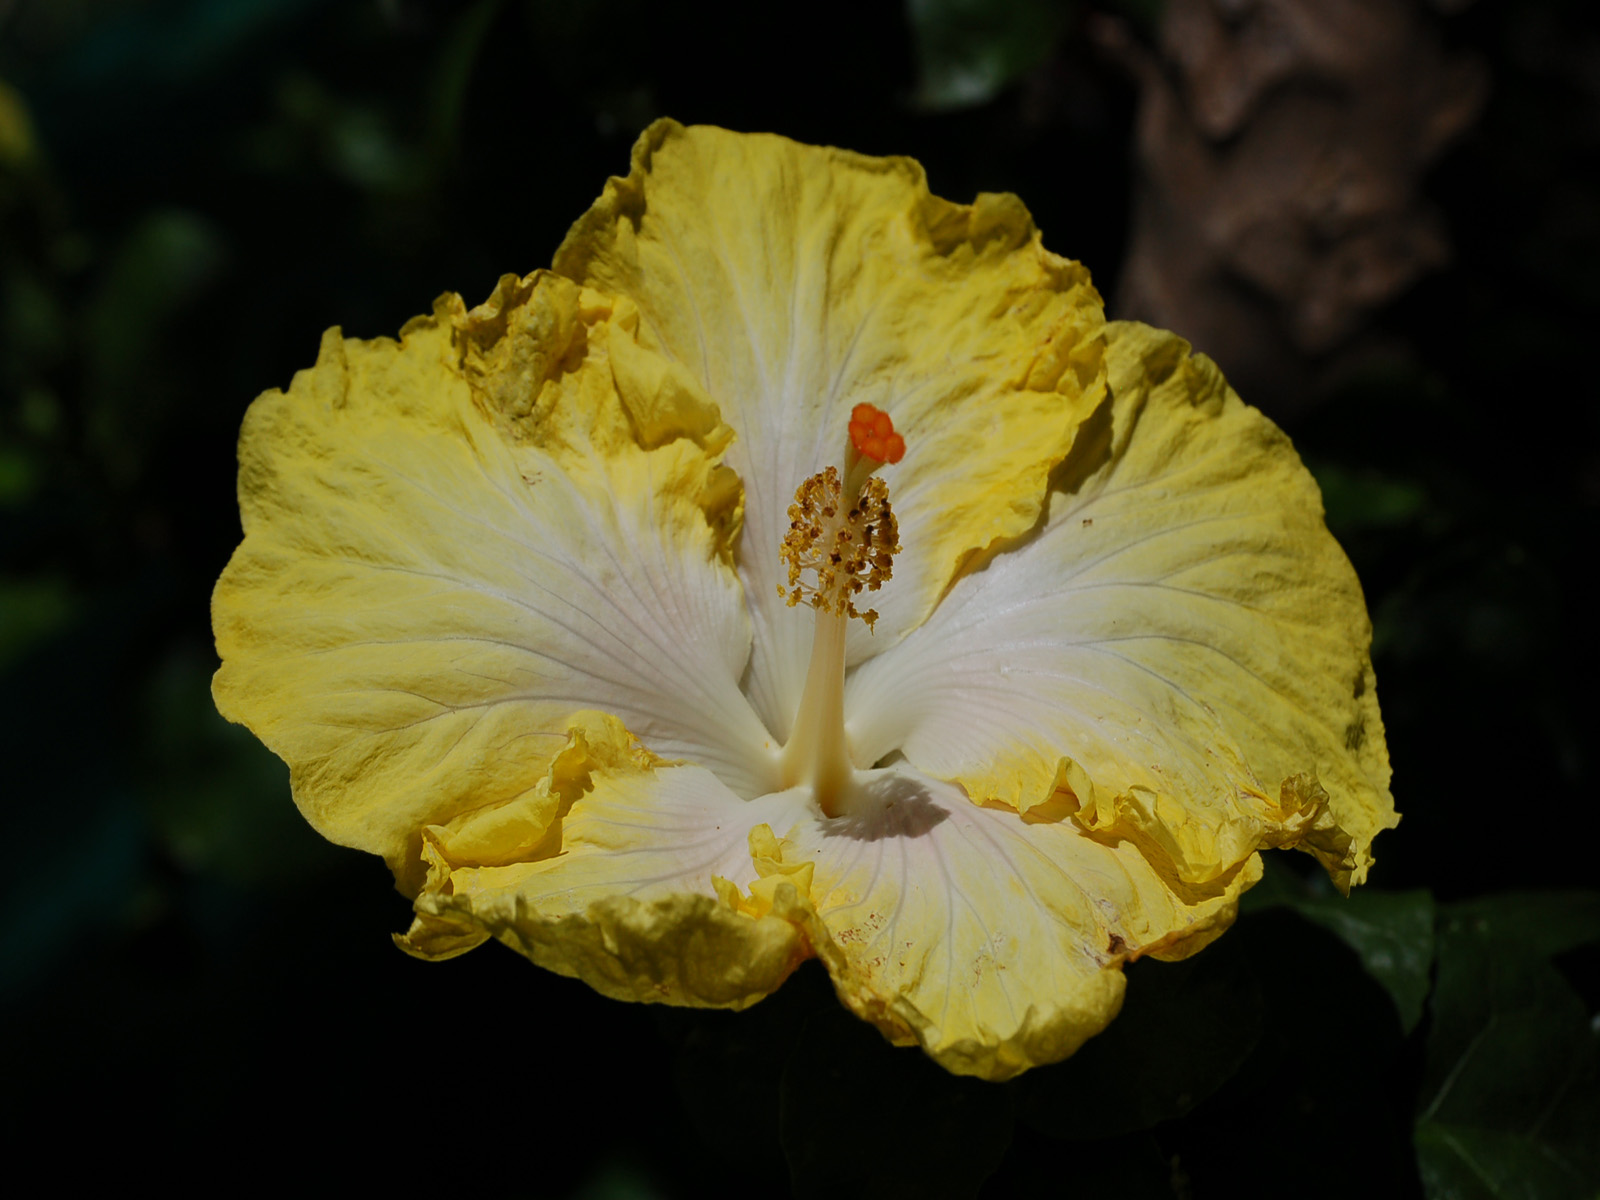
(841,542)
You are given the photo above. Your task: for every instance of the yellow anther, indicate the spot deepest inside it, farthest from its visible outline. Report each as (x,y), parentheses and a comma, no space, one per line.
(849,543)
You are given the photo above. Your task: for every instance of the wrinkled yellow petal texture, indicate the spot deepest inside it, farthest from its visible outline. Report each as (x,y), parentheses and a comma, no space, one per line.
(506,605)
(995,942)
(620,892)
(795,281)
(455,543)
(1183,655)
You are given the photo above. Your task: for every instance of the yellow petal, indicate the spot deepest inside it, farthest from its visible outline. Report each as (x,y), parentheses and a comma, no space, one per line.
(635,889)
(1181,651)
(792,282)
(455,542)
(995,942)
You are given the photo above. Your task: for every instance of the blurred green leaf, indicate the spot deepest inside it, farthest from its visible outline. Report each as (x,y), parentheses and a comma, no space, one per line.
(1184,1030)
(452,75)
(1510,1099)
(861,1118)
(353,139)
(615,1182)
(174,41)
(31,609)
(32,323)
(163,265)
(968,50)
(218,798)
(39,412)
(362,148)
(18,478)
(83,845)
(1367,500)
(1145,15)
(17,139)
(82,884)
(1392,932)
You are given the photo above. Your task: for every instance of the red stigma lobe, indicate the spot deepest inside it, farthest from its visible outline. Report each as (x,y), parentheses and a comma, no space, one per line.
(872,434)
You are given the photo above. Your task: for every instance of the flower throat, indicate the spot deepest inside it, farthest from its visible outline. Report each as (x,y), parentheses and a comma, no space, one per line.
(841,542)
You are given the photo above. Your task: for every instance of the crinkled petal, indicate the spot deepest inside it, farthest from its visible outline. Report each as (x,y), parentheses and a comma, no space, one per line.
(993,940)
(630,888)
(792,282)
(1181,650)
(454,542)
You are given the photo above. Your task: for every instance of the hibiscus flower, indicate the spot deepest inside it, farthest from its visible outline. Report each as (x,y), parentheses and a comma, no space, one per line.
(550,603)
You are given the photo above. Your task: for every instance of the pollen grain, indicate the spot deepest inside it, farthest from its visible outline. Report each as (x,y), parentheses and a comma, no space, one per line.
(850,547)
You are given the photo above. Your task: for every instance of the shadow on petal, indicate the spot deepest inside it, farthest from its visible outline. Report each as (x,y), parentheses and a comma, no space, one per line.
(892,806)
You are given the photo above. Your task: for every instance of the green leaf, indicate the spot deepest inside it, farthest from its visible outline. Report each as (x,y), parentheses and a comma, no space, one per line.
(31,610)
(616,1181)
(859,1117)
(1530,924)
(1465,1163)
(1367,500)
(1327,1083)
(218,800)
(452,75)
(1184,1030)
(1510,1098)
(968,50)
(17,142)
(84,885)
(1391,932)
(181,42)
(164,265)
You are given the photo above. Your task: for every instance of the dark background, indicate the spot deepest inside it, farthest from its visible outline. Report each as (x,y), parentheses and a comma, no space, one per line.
(192,190)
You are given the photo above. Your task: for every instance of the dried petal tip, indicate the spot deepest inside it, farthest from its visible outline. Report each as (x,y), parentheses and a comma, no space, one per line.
(872,434)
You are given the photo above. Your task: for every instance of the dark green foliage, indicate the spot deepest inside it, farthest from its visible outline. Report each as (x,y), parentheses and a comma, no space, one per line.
(1184,1030)
(1391,932)
(190,976)
(1510,1102)
(969,50)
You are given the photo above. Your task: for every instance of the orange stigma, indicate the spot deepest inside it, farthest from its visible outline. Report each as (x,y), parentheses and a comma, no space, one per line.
(872,434)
